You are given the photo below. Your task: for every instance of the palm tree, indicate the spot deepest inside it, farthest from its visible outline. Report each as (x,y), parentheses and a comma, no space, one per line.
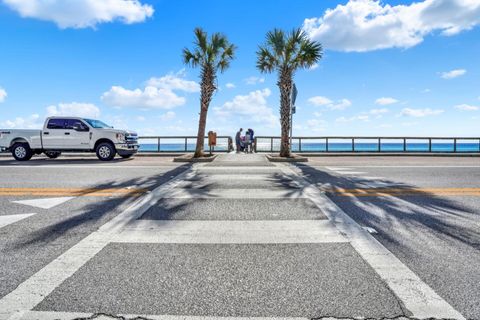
(211,55)
(286,53)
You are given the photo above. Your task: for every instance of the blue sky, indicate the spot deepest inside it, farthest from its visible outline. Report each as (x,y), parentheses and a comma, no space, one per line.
(389,68)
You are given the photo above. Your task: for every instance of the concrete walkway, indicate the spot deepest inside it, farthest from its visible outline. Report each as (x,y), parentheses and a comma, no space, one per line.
(238,237)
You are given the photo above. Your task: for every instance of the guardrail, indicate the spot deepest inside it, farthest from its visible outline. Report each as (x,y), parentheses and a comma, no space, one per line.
(180,144)
(372,144)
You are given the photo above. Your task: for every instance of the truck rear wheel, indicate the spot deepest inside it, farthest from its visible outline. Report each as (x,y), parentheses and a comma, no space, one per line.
(22,152)
(105,151)
(53,154)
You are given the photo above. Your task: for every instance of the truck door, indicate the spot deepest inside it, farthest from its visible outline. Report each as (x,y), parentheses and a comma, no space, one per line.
(79,135)
(53,136)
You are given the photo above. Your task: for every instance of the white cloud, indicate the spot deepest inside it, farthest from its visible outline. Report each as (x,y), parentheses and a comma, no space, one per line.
(159,93)
(31,122)
(323,101)
(251,107)
(3,94)
(148,98)
(365,25)
(385,101)
(254,80)
(140,118)
(467,107)
(314,66)
(174,82)
(74,109)
(169,115)
(417,113)
(362,117)
(385,126)
(316,125)
(230,85)
(319,101)
(82,13)
(453,73)
(379,111)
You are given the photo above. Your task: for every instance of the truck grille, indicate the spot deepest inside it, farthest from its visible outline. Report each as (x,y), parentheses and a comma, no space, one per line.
(131,138)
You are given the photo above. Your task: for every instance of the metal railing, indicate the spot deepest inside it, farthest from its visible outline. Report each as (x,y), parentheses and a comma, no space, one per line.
(372,144)
(180,144)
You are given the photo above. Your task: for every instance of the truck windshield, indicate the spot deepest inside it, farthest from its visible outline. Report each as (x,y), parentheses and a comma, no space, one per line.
(97,124)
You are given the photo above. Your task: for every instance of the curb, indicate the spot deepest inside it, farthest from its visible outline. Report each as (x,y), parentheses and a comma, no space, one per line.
(294,158)
(189,158)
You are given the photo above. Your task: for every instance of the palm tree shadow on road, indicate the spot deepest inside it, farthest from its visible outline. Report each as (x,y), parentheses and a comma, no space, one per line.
(407,211)
(86,219)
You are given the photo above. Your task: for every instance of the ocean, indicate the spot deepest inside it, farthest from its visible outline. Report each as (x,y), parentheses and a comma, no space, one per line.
(332,147)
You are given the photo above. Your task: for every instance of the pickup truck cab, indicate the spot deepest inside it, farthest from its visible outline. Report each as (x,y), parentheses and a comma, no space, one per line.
(69,134)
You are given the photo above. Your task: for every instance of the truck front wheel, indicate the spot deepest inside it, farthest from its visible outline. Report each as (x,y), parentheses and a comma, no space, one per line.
(22,152)
(105,151)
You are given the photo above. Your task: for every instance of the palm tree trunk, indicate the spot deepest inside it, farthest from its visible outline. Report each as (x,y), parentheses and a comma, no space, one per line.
(207,90)
(285,84)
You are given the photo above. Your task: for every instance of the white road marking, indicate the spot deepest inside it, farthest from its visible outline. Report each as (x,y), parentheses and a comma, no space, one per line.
(416,295)
(235,171)
(230,232)
(52,315)
(33,290)
(45,203)
(357,173)
(337,168)
(370,230)
(236,194)
(260,176)
(12,218)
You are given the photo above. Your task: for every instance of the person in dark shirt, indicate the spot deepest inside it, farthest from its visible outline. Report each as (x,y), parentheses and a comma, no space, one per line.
(238,140)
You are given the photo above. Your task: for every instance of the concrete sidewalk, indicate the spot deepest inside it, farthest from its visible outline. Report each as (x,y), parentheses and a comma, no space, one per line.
(238,237)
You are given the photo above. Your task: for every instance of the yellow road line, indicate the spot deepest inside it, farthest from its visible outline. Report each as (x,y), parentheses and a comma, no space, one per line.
(77,192)
(376,192)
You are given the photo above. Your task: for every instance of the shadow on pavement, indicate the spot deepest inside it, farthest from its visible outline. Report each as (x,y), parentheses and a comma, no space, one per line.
(93,212)
(447,218)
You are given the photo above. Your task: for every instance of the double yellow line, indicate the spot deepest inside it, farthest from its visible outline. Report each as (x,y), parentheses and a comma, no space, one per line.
(396,192)
(72,192)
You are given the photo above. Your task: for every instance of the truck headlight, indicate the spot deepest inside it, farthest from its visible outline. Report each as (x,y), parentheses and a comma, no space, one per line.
(121,137)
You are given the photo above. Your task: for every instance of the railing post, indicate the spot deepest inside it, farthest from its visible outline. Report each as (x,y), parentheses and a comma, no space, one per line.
(186,149)
(353,144)
(255,144)
(404,144)
(454,144)
(379,145)
(299,144)
(326,144)
(429,144)
(271,144)
(158,144)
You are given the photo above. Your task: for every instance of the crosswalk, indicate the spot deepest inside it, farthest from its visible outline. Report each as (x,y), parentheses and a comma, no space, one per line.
(235,205)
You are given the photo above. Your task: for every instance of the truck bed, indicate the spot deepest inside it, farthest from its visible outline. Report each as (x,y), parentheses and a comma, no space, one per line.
(32,136)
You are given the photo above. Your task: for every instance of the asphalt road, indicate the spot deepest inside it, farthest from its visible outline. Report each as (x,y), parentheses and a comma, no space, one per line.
(434,230)
(28,245)
(424,210)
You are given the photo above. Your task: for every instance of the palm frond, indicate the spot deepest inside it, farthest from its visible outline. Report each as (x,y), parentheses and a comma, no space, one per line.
(266,60)
(214,52)
(201,40)
(276,40)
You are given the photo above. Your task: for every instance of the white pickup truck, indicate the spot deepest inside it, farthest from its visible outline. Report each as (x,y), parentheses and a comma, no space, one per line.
(69,134)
